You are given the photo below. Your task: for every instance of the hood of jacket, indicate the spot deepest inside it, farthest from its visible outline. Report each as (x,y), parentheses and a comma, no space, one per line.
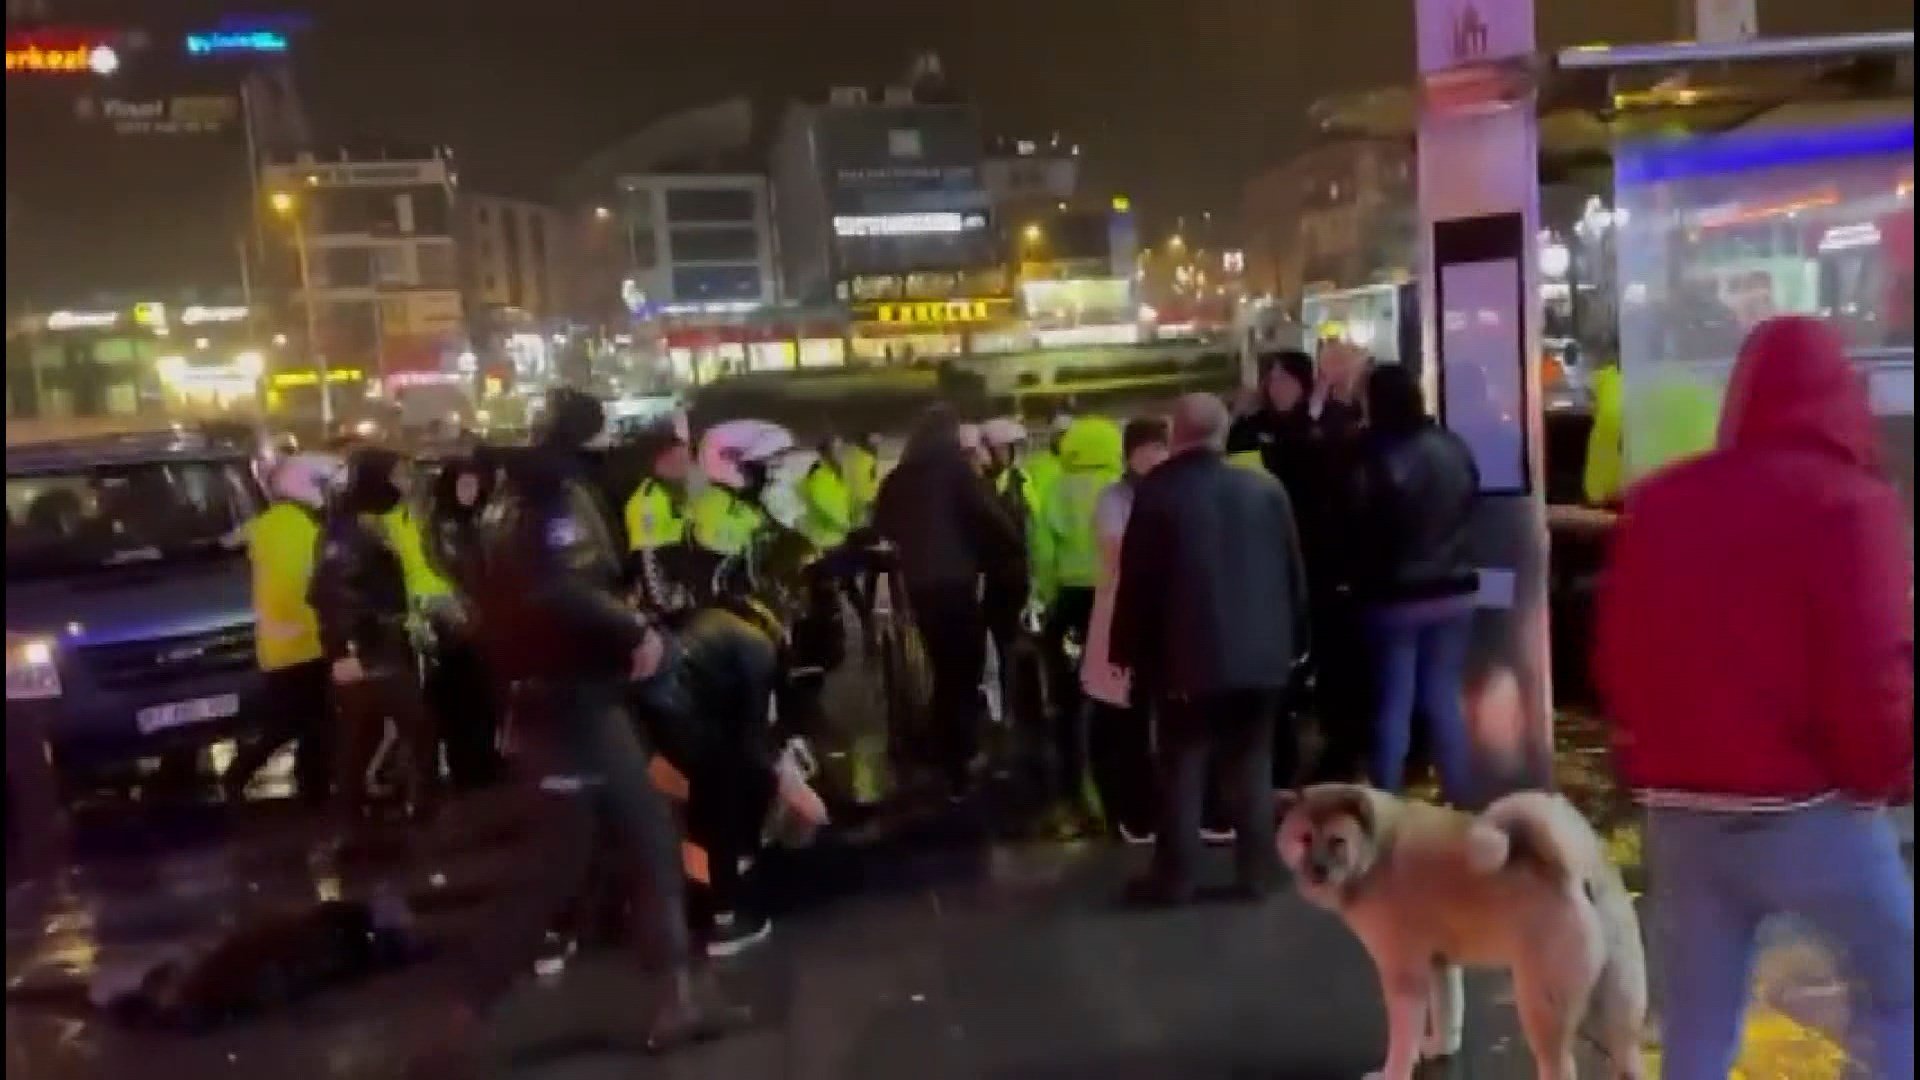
(1793,384)
(1092,443)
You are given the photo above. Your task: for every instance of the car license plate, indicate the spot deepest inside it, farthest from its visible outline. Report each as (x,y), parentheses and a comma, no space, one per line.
(181,713)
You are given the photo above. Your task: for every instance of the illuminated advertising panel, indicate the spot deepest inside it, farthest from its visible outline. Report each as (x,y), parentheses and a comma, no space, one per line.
(1716,233)
(231,42)
(62,53)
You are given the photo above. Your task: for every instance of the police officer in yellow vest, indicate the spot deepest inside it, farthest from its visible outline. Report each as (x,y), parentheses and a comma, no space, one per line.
(1066,566)
(281,542)
(861,467)
(657,514)
(826,497)
(726,519)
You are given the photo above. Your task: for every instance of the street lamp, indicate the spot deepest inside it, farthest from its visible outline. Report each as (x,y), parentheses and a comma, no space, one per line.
(287,207)
(1032,233)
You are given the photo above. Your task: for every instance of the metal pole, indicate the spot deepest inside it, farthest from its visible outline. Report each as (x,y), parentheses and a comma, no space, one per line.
(313,324)
(253,168)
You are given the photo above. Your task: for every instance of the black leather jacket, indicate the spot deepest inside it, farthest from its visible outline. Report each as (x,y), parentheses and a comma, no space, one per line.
(1412,502)
(358,592)
(551,604)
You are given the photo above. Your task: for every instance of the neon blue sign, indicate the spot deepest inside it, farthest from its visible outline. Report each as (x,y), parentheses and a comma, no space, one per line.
(217,42)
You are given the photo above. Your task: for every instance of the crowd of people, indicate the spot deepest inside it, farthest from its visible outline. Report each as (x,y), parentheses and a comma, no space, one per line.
(1190,590)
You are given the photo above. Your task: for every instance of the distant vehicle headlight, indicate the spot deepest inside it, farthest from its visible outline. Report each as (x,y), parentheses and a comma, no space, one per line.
(31,673)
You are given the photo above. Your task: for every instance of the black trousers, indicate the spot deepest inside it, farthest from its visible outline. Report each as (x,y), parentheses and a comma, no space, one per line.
(1239,726)
(460,693)
(580,775)
(1120,753)
(389,691)
(1343,698)
(954,633)
(727,804)
(293,707)
(1072,610)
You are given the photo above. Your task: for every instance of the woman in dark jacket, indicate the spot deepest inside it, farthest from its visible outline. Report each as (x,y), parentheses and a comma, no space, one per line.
(459,685)
(1412,500)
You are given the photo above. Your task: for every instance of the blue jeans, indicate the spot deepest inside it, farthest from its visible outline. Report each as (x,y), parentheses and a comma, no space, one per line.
(1420,661)
(1716,876)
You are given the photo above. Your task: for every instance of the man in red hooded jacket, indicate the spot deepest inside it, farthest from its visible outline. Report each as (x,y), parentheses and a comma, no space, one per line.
(1755,650)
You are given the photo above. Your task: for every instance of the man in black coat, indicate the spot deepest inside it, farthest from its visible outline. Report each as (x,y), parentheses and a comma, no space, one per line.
(1210,615)
(949,530)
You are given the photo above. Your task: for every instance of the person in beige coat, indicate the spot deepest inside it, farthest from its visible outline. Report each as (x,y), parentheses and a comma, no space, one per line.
(1119,732)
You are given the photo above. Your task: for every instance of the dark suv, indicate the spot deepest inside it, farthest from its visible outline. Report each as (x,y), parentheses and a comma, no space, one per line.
(129,620)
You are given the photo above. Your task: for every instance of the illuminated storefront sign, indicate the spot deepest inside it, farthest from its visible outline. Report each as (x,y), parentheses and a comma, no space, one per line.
(67,58)
(189,115)
(286,380)
(196,314)
(937,223)
(151,314)
(218,42)
(949,311)
(81,320)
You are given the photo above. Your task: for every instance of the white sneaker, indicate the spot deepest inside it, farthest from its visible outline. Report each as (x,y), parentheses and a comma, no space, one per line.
(1217,836)
(1135,839)
(734,934)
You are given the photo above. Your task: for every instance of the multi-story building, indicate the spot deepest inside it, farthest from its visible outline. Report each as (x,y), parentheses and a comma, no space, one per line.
(382,259)
(510,249)
(882,206)
(1029,176)
(700,242)
(515,267)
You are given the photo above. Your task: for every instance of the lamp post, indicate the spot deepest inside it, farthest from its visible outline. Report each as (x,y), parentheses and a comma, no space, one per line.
(287,207)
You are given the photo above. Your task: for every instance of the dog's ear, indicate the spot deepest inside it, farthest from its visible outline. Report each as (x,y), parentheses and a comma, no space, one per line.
(1357,803)
(1284,800)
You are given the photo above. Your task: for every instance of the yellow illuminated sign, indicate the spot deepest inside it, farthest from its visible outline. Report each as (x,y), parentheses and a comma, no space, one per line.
(935,312)
(1122,204)
(288,379)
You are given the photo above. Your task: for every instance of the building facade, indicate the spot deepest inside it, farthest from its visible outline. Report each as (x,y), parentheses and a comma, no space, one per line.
(383,264)
(699,242)
(882,206)
(1339,215)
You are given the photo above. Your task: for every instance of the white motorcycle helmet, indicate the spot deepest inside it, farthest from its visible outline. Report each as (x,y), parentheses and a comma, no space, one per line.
(726,448)
(1003,431)
(306,478)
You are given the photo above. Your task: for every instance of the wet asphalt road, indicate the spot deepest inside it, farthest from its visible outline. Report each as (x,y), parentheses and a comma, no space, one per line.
(934,950)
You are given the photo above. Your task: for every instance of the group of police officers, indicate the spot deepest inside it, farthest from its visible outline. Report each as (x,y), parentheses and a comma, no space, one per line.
(507,594)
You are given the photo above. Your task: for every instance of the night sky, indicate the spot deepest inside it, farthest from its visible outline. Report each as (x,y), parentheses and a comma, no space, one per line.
(1175,102)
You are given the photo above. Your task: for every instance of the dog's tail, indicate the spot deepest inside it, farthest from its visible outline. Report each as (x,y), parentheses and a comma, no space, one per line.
(1538,830)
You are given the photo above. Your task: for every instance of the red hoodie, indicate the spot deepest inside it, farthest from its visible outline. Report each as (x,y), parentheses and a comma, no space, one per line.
(1754,644)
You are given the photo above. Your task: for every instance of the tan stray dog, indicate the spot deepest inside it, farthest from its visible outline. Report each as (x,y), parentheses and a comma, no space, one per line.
(1523,886)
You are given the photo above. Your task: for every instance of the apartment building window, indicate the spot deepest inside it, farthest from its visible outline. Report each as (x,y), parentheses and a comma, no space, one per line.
(392,266)
(716,283)
(711,204)
(435,266)
(346,267)
(714,245)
